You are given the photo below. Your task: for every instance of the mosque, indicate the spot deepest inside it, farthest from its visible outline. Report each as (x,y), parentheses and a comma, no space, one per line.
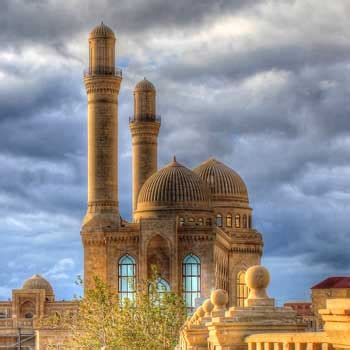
(194,225)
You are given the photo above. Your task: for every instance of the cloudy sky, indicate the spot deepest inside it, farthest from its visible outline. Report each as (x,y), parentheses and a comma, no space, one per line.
(261,85)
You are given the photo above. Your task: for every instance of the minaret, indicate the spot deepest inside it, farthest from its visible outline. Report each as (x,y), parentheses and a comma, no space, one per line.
(144,127)
(102,81)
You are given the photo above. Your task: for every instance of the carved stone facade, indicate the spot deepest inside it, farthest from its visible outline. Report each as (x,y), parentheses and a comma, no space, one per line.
(195,225)
(21,316)
(177,212)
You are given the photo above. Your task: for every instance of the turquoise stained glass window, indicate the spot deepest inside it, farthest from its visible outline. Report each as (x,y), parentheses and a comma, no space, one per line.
(191,280)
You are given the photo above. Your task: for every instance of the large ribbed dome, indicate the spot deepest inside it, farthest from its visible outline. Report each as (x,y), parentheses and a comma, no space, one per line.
(225,183)
(38,282)
(144,85)
(174,187)
(102,31)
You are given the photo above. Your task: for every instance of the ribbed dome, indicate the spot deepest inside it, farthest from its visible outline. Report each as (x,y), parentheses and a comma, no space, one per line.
(38,282)
(225,183)
(102,31)
(174,187)
(144,85)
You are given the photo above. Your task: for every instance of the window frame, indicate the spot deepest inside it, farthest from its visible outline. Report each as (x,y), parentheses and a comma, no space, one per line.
(242,290)
(130,290)
(217,218)
(244,221)
(237,221)
(191,263)
(229,221)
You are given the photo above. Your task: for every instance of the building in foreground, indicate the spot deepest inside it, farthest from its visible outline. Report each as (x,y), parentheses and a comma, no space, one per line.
(260,325)
(330,288)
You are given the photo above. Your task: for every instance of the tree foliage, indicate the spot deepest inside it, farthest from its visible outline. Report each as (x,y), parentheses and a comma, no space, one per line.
(102,320)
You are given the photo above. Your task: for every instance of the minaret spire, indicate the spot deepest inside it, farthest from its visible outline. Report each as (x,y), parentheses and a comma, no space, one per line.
(102,81)
(144,127)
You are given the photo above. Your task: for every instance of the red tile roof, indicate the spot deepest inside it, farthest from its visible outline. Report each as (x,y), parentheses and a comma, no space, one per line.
(333,282)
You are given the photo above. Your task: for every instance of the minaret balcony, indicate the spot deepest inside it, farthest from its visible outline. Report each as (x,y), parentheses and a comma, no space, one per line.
(145,118)
(103,71)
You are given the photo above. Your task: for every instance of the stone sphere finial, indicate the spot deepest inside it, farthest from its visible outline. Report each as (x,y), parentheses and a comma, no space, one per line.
(199,314)
(257,278)
(207,307)
(219,299)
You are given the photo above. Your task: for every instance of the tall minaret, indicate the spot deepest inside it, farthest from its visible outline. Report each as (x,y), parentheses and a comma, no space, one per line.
(102,81)
(144,127)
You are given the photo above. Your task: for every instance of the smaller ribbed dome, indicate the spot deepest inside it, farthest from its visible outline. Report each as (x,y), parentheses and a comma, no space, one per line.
(174,187)
(38,282)
(225,183)
(102,31)
(144,85)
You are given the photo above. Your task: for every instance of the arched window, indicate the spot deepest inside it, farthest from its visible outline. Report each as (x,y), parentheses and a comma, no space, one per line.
(162,285)
(242,290)
(244,221)
(191,280)
(238,221)
(182,221)
(200,221)
(219,220)
(27,310)
(127,277)
(191,221)
(229,220)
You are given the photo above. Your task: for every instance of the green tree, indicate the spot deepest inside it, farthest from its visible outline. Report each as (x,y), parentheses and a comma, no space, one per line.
(151,321)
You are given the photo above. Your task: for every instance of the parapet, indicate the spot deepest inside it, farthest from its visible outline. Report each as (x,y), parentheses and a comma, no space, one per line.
(215,326)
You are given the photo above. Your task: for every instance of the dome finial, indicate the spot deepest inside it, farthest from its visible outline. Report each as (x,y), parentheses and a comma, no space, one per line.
(174,159)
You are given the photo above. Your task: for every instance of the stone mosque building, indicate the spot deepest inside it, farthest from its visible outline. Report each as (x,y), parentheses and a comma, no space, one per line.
(194,225)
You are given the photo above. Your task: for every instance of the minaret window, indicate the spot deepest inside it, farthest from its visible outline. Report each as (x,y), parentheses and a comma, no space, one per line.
(242,290)
(219,220)
(127,277)
(191,280)
(238,221)
(229,220)
(244,221)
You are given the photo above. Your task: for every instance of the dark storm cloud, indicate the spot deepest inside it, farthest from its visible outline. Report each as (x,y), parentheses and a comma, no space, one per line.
(55,22)
(261,85)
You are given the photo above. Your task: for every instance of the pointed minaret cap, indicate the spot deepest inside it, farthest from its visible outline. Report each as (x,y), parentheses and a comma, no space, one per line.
(102,31)
(144,85)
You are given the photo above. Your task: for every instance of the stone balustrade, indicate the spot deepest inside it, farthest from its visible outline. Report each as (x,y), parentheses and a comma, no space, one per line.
(336,334)
(214,326)
(289,341)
